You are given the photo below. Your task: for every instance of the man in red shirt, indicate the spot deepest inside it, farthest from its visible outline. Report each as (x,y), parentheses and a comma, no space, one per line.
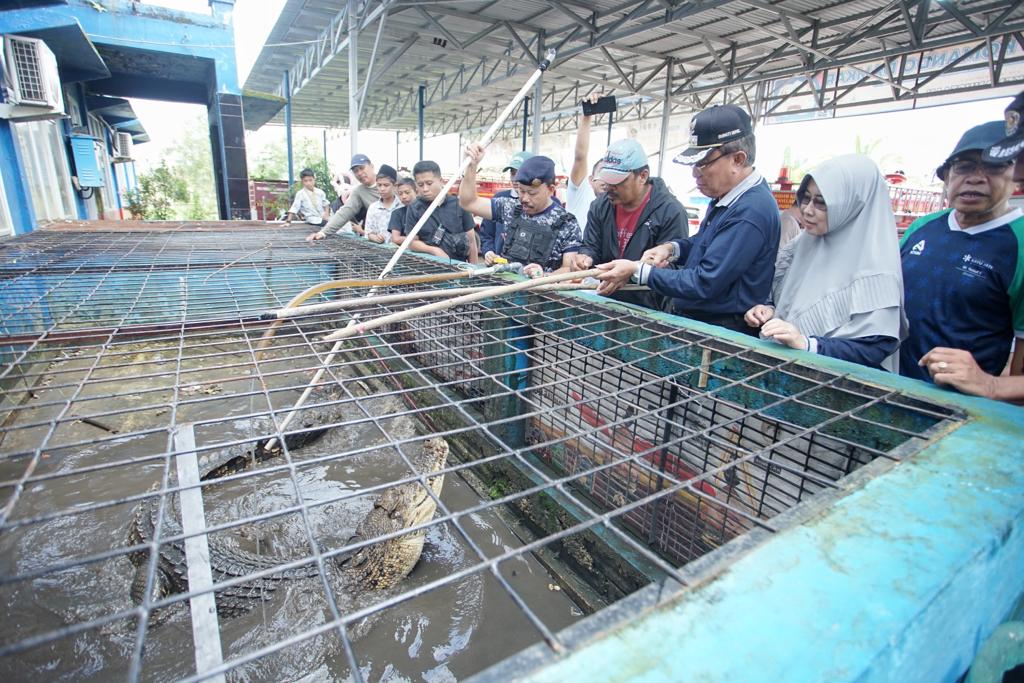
(636,213)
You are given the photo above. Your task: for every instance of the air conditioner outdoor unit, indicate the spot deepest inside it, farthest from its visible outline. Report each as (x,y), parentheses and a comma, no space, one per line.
(30,78)
(122,146)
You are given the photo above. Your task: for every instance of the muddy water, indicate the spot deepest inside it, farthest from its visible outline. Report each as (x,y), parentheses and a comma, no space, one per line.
(446,634)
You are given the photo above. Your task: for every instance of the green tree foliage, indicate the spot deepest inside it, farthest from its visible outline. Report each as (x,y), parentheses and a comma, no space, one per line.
(159,190)
(323,180)
(875,150)
(270,162)
(182,186)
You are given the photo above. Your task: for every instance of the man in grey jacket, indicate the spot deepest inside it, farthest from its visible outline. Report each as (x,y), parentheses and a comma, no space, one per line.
(364,194)
(636,213)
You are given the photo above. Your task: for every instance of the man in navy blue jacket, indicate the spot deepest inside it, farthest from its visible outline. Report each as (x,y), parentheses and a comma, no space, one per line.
(727,267)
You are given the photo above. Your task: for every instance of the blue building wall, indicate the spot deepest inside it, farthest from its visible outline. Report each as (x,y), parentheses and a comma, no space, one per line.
(149,52)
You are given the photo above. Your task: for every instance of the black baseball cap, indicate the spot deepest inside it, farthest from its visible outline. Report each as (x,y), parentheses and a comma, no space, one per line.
(977,139)
(713,128)
(538,170)
(386,170)
(1008,148)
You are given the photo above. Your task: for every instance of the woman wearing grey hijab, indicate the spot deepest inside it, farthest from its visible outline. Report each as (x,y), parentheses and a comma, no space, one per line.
(842,292)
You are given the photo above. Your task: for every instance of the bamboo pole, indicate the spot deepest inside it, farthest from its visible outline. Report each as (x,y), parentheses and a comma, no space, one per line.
(316,309)
(487,293)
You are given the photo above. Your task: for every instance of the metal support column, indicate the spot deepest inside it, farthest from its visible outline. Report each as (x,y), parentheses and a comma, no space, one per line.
(611,120)
(326,166)
(666,114)
(759,104)
(398,147)
(353,75)
(526,119)
(538,98)
(288,129)
(423,106)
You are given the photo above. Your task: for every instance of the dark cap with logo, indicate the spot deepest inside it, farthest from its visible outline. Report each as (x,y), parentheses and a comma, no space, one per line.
(388,172)
(713,128)
(977,139)
(536,171)
(1010,146)
(359,160)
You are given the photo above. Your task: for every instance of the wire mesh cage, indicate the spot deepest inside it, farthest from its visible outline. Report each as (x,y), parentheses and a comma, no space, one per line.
(454,489)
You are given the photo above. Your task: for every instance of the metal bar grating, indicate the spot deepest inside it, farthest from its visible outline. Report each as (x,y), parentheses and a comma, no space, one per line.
(26,58)
(593,451)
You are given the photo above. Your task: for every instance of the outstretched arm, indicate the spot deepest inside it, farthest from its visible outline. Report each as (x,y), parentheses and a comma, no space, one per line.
(579,160)
(468,198)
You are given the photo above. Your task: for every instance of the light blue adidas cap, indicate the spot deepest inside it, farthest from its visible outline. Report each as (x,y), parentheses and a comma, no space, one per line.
(623,157)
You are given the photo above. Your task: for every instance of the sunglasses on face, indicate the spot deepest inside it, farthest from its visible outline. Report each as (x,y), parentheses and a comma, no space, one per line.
(817,201)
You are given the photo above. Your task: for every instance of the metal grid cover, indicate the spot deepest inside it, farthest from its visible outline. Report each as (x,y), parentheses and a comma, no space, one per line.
(593,451)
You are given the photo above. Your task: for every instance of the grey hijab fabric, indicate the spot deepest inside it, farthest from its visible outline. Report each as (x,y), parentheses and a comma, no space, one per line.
(848,282)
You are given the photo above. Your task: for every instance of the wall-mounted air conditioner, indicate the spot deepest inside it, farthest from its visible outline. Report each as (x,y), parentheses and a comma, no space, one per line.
(31,82)
(122,143)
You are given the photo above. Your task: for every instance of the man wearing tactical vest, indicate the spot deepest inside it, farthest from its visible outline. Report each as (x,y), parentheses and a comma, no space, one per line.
(540,233)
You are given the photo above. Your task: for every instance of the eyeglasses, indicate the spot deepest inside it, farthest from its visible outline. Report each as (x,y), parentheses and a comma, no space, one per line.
(965,167)
(705,162)
(816,200)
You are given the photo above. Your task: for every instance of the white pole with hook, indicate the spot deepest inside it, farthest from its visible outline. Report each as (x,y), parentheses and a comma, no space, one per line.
(485,140)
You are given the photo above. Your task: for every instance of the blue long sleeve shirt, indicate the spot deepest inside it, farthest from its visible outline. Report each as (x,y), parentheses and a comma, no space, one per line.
(728,265)
(869,351)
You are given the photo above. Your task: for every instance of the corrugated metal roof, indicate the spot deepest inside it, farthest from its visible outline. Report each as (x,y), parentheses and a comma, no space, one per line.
(473,54)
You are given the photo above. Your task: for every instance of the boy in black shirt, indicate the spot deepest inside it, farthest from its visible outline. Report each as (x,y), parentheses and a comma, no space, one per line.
(406,193)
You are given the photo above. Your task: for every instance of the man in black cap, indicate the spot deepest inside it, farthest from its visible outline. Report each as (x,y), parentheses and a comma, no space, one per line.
(727,267)
(354,210)
(963,276)
(1011,148)
(541,234)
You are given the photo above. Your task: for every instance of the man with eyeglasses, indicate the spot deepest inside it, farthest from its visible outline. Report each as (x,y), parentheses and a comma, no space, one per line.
(727,267)
(963,275)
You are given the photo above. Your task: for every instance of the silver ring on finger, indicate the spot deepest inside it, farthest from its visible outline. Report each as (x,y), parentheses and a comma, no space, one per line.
(943,365)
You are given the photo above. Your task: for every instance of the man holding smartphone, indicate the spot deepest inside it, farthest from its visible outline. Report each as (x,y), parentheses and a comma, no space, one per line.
(580,195)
